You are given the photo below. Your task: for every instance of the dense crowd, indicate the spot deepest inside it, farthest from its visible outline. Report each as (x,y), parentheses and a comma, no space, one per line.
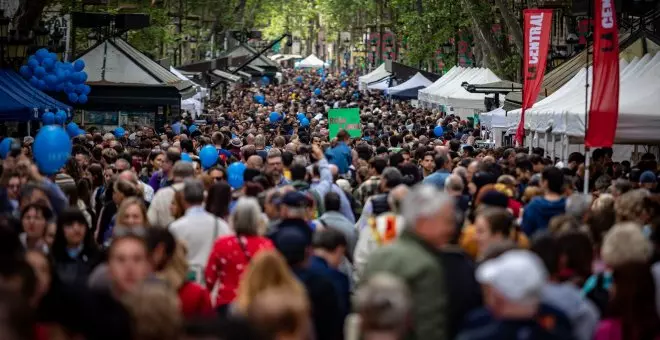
(398,234)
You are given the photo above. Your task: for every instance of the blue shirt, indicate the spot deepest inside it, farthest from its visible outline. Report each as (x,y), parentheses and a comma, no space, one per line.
(437,179)
(340,156)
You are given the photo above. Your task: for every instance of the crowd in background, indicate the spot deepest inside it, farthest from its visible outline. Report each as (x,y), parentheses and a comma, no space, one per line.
(398,234)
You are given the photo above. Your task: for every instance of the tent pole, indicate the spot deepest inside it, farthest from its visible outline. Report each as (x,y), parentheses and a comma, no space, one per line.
(546,150)
(563,149)
(587,162)
(552,155)
(29,127)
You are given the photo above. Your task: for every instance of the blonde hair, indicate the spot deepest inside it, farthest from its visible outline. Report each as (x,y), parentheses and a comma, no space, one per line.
(121,212)
(530,193)
(267,270)
(176,269)
(625,243)
(629,207)
(177,200)
(281,313)
(154,309)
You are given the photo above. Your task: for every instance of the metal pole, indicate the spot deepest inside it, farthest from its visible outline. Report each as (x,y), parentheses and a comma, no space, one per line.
(260,53)
(586,108)
(553,147)
(545,150)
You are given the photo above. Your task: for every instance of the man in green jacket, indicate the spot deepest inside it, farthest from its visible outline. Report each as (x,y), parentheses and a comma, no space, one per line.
(415,258)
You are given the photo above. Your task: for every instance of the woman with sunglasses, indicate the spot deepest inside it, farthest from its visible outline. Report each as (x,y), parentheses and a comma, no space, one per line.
(74,251)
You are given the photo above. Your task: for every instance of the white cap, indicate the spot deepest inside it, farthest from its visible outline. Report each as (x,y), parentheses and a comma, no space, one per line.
(516,274)
(318,116)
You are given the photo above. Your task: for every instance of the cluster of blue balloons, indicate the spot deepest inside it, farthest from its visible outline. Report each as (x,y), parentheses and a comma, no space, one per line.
(74,130)
(46,73)
(208,155)
(438,131)
(52,149)
(304,122)
(260,98)
(49,118)
(274,117)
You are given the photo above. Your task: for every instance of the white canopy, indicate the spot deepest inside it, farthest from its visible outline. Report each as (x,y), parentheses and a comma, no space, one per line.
(418,80)
(311,61)
(639,119)
(381,85)
(374,76)
(494,119)
(448,90)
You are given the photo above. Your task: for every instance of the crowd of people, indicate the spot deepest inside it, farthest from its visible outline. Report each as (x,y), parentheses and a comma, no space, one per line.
(398,234)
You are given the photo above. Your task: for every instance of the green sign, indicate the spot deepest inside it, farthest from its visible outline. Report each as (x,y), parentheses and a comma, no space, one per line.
(347,119)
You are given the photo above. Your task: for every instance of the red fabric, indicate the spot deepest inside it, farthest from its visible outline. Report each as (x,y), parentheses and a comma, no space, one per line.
(41,332)
(604,110)
(195,300)
(228,261)
(515,207)
(537,25)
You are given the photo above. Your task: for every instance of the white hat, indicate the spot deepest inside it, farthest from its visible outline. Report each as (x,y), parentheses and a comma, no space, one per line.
(318,116)
(516,274)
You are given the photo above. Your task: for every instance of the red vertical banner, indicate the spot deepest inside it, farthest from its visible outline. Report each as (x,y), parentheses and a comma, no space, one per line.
(604,109)
(537,26)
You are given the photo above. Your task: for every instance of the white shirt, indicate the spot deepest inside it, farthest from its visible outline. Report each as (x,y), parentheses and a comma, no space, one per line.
(199,229)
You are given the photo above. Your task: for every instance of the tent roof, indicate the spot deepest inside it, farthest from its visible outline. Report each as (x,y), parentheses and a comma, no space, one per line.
(376,75)
(418,80)
(311,61)
(116,61)
(449,89)
(19,99)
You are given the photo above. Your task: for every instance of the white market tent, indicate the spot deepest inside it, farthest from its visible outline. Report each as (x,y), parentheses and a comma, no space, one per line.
(311,61)
(450,92)
(381,85)
(639,120)
(410,87)
(375,76)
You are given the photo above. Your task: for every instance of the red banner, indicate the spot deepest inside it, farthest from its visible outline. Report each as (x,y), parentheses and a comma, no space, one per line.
(537,25)
(604,110)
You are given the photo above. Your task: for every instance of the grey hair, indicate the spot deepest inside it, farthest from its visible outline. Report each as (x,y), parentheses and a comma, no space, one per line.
(454,183)
(392,177)
(423,201)
(246,218)
(183,169)
(577,205)
(383,303)
(625,243)
(260,141)
(193,191)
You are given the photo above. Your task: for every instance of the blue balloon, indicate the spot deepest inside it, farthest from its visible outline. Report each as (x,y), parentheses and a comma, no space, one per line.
(25,71)
(192,128)
(304,122)
(34,81)
(299,79)
(79,65)
(208,155)
(42,84)
(80,88)
(86,89)
(72,129)
(72,97)
(83,77)
(317,91)
(48,118)
(52,149)
(438,131)
(300,115)
(69,87)
(51,79)
(235,174)
(265,80)
(344,83)
(81,132)
(186,157)
(5,146)
(33,62)
(48,63)
(119,132)
(60,117)
(82,99)
(53,55)
(39,72)
(274,117)
(343,74)
(41,54)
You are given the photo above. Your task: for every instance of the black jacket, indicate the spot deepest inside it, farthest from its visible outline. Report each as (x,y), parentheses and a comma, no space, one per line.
(464,290)
(326,310)
(76,271)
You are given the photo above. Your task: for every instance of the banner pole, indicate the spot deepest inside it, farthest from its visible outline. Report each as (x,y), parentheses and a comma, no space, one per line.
(586,105)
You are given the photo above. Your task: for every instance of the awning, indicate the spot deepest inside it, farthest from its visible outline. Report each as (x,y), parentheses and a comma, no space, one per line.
(410,88)
(19,99)
(226,76)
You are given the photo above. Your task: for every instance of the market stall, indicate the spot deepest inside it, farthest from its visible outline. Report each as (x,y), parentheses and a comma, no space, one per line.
(410,88)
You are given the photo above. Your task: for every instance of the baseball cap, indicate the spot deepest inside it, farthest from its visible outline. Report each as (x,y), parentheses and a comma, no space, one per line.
(517,274)
(295,199)
(292,241)
(647,177)
(27,140)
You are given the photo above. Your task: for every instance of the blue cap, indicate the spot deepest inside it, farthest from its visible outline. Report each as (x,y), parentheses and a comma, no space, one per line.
(296,199)
(647,177)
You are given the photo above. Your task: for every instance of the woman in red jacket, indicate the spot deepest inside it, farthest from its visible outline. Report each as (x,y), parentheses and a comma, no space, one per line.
(232,254)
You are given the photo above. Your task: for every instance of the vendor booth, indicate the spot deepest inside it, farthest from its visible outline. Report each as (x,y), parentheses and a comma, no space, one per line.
(376,76)
(311,61)
(129,88)
(410,88)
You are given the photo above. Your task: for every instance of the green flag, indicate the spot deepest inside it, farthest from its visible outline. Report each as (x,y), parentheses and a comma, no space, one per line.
(347,119)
